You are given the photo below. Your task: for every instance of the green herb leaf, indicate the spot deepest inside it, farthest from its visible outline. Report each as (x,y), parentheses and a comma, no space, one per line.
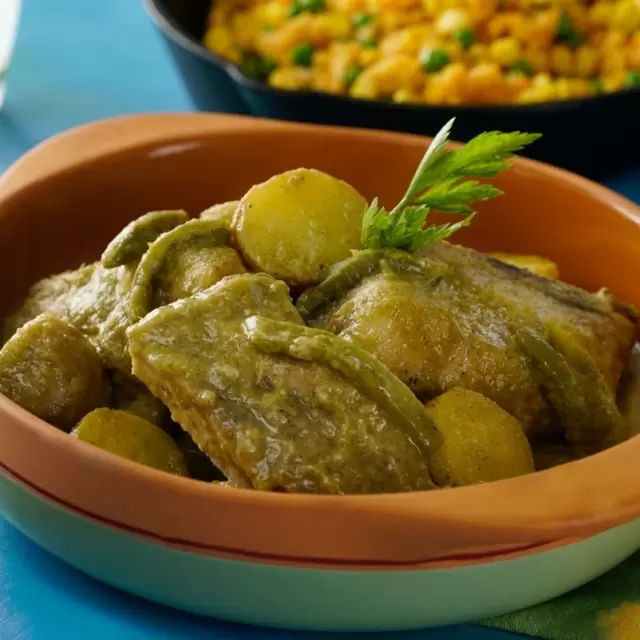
(441,183)
(438,232)
(383,230)
(434,153)
(451,196)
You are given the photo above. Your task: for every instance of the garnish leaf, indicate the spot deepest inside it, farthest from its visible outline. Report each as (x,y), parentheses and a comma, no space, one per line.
(438,232)
(436,150)
(452,196)
(441,183)
(383,230)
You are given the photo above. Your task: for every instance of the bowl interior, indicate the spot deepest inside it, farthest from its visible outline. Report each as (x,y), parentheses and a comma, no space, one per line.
(68,218)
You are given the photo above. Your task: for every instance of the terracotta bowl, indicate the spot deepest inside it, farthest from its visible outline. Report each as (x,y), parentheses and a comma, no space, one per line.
(367,562)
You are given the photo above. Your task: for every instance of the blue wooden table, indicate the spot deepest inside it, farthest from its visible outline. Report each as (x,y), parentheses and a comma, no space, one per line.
(78,61)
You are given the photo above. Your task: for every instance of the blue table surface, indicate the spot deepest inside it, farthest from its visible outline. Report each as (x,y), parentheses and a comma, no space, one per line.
(78,61)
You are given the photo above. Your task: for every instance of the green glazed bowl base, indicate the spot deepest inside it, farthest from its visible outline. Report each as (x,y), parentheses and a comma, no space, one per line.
(310,599)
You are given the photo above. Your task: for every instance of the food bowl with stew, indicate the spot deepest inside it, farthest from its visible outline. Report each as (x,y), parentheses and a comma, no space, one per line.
(241,354)
(569,71)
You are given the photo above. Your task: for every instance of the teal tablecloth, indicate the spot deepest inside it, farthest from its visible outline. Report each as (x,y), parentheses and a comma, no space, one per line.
(78,61)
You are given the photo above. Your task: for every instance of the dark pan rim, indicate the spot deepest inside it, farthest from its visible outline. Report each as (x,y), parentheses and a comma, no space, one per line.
(165,22)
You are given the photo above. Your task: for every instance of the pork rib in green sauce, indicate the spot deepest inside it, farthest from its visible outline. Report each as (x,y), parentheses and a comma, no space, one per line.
(456,321)
(268,421)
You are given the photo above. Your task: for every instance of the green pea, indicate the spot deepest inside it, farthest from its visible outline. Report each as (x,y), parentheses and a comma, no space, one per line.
(269,65)
(361,19)
(567,32)
(368,43)
(352,73)
(632,79)
(433,60)
(306,6)
(257,67)
(465,37)
(523,67)
(596,85)
(302,55)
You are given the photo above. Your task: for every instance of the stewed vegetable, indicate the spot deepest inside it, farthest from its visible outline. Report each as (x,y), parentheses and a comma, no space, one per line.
(301,339)
(297,225)
(433,52)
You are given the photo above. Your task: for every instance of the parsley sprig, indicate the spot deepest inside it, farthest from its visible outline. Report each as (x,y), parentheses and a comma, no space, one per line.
(442,183)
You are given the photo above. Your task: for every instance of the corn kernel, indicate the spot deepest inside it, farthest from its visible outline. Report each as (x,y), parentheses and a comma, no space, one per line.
(613,39)
(455,76)
(369,56)
(633,52)
(601,14)
(364,87)
(406,96)
(481,10)
(321,60)
(408,40)
(626,16)
(272,14)
(386,76)
(542,28)
(504,24)
(403,5)
(432,7)
(342,55)
(613,58)
(562,60)
(477,53)
(447,86)
(579,88)
(452,20)
(539,59)
(291,78)
(487,83)
(219,40)
(564,89)
(541,80)
(587,60)
(542,89)
(613,81)
(331,26)
(390,20)
(245,27)
(518,81)
(321,81)
(505,51)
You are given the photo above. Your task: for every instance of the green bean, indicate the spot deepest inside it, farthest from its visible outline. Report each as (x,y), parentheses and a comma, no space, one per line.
(134,240)
(355,364)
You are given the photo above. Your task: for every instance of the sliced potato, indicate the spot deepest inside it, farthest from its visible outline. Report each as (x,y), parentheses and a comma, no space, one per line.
(50,369)
(180,263)
(298,224)
(481,441)
(536,264)
(195,269)
(131,437)
(222,213)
